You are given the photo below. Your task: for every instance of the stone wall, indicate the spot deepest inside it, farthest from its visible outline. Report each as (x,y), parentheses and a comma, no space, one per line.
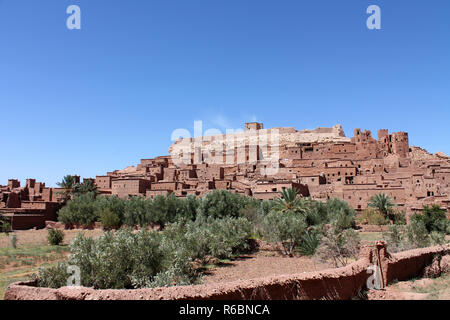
(340,284)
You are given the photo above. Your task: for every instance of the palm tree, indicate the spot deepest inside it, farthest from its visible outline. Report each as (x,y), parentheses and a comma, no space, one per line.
(67,183)
(290,201)
(382,203)
(83,188)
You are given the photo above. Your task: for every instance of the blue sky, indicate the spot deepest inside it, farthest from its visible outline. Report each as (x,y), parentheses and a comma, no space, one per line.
(97,99)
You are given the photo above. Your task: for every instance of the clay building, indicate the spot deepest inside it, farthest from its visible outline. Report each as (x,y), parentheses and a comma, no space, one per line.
(29,206)
(321,163)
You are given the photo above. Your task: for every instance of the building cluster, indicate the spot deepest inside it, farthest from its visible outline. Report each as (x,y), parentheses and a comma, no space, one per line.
(29,206)
(321,163)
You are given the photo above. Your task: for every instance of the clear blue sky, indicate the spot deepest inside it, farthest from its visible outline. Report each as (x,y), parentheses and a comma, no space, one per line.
(97,99)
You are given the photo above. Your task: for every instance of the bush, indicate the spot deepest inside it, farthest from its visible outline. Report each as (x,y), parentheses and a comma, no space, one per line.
(127,260)
(110,262)
(221,238)
(397,239)
(372,217)
(222,203)
(309,242)
(55,237)
(433,218)
(340,214)
(5,226)
(415,235)
(80,210)
(339,246)
(398,217)
(109,220)
(229,236)
(287,228)
(418,234)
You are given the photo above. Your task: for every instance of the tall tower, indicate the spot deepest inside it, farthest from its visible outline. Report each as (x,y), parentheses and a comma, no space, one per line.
(400,144)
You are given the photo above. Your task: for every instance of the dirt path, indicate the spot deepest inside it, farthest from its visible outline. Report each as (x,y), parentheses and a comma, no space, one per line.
(266,262)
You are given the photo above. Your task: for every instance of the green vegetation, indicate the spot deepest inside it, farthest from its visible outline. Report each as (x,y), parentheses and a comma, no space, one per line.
(20,263)
(381,210)
(5,226)
(221,225)
(72,188)
(339,246)
(150,258)
(428,228)
(55,237)
(382,203)
(438,289)
(372,217)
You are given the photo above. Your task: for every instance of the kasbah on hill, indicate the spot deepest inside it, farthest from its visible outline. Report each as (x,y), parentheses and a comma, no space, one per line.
(321,164)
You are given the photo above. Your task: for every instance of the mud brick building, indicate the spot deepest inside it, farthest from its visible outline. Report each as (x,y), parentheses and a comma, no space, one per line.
(29,206)
(321,163)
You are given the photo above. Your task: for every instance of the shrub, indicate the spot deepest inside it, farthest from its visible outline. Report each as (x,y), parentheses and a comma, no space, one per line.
(433,218)
(127,260)
(5,226)
(372,217)
(437,238)
(287,228)
(221,238)
(398,217)
(229,236)
(109,220)
(341,214)
(80,210)
(339,246)
(55,237)
(418,234)
(52,277)
(309,242)
(397,238)
(112,261)
(135,212)
(222,203)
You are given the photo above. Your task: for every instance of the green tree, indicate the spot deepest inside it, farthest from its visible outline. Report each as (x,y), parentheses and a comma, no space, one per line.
(287,228)
(87,186)
(67,183)
(434,218)
(222,203)
(382,203)
(290,201)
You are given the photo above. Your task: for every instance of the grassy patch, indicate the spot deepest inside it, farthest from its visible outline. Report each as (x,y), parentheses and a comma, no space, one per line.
(438,289)
(19,264)
(371,236)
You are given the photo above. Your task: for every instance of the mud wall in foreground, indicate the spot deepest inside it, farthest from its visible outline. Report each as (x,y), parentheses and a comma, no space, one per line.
(342,283)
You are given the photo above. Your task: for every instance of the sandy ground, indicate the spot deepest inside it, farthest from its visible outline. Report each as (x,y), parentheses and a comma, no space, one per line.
(268,261)
(421,289)
(39,237)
